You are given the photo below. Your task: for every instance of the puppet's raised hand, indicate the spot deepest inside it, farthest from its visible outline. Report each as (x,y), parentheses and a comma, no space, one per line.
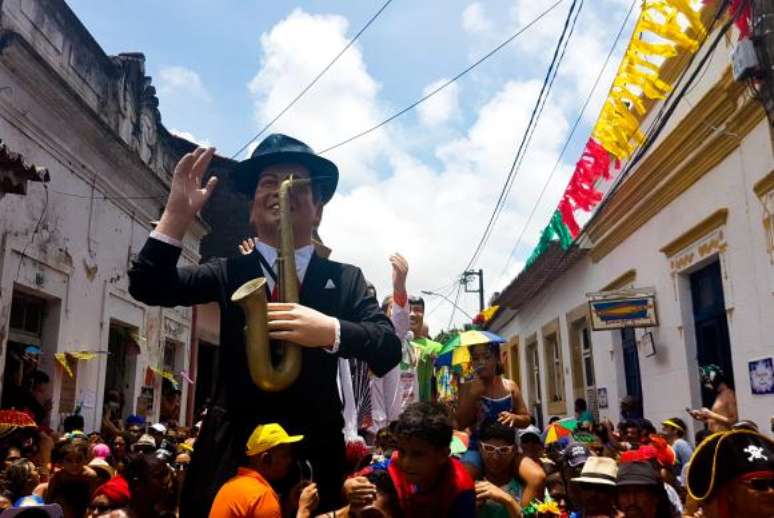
(186,196)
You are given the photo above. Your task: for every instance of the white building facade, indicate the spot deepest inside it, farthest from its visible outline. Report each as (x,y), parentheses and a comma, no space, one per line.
(92,121)
(693,221)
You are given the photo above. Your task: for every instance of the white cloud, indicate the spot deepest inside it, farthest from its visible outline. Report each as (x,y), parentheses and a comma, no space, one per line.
(191,137)
(440,108)
(342,103)
(432,213)
(177,80)
(475,21)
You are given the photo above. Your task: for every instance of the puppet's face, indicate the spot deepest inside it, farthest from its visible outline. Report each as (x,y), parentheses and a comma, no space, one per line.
(305,207)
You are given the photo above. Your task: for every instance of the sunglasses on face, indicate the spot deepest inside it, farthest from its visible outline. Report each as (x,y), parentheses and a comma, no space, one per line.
(496,450)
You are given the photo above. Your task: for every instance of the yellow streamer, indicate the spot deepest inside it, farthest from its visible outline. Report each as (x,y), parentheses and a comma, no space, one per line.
(663,50)
(669,29)
(618,126)
(62,359)
(165,374)
(83,355)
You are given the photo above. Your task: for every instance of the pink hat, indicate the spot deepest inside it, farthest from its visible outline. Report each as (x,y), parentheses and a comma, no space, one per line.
(101,450)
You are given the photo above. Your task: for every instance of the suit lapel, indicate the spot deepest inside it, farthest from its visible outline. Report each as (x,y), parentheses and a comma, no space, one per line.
(316,291)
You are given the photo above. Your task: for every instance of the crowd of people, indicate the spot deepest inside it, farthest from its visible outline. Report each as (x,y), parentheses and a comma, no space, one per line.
(374,424)
(473,458)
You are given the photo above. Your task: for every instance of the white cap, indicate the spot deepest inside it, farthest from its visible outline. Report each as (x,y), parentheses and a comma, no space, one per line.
(159,428)
(531,429)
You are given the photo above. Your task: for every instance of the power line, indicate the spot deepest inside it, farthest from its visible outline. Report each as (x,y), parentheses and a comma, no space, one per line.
(438,304)
(444,85)
(87,197)
(456,303)
(526,137)
(35,230)
(569,137)
(314,81)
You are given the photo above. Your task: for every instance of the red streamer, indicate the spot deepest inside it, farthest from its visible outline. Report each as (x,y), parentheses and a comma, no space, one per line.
(581,192)
(741,10)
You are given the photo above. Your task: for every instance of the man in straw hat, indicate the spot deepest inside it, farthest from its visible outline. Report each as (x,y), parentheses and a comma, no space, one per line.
(596,486)
(732,474)
(335,317)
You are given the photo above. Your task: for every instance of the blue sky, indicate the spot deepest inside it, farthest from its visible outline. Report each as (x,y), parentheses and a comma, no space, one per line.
(425,184)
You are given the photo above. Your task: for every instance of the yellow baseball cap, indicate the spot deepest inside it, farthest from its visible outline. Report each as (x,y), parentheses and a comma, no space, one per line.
(267,436)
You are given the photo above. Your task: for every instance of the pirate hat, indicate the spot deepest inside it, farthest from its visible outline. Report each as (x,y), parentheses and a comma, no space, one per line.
(725,456)
(279,149)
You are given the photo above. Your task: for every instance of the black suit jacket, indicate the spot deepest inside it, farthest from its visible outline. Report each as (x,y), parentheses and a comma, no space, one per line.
(312,405)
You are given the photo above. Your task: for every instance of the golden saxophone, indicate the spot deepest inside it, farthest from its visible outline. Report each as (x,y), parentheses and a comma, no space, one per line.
(252,297)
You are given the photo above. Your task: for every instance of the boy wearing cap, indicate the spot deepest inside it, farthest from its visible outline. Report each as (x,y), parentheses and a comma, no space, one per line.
(571,463)
(334,318)
(249,494)
(674,430)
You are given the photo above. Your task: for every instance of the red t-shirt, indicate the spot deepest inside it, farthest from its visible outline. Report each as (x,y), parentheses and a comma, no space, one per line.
(453,496)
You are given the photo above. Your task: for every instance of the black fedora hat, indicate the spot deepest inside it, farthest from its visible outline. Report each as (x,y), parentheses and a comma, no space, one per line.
(277,149)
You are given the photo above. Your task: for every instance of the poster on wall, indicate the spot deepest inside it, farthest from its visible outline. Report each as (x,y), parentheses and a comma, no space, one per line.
(762,376)
(622,308)
(602,397)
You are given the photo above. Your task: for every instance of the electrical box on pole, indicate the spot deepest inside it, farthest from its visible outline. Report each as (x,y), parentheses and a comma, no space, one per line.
(466,278)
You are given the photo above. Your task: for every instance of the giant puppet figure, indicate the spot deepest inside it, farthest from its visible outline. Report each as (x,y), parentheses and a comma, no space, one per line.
(334,316)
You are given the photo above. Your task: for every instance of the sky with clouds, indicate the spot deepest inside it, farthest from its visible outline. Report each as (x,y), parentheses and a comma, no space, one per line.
(425,184)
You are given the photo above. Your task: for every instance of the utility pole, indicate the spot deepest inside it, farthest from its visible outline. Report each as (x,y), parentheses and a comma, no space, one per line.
(480,274)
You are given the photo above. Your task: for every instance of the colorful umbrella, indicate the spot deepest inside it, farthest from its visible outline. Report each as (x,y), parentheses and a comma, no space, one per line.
(455,351)
(559,429)
(459,443)
(472,337)
(11,420)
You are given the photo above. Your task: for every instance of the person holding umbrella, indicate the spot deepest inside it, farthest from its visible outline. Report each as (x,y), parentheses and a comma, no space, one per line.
(491,396)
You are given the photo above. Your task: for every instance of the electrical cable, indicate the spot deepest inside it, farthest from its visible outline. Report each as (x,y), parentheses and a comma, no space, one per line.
(442,86)
(454,309)
(513,171)
(34,233)
(569,137)
(316,78)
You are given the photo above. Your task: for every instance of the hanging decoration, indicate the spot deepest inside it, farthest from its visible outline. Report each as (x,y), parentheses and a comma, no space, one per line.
(167,375)
(664,29)
(555,229)
(63,358)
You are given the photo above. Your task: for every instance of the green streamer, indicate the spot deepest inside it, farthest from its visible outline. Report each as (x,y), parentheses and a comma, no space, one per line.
(556,229)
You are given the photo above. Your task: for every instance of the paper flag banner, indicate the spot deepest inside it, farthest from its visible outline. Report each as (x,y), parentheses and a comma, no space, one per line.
(62,359)
(167,375)
(83,355)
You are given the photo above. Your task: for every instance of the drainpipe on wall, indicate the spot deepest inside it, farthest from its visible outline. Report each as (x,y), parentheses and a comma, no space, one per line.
(192,368)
